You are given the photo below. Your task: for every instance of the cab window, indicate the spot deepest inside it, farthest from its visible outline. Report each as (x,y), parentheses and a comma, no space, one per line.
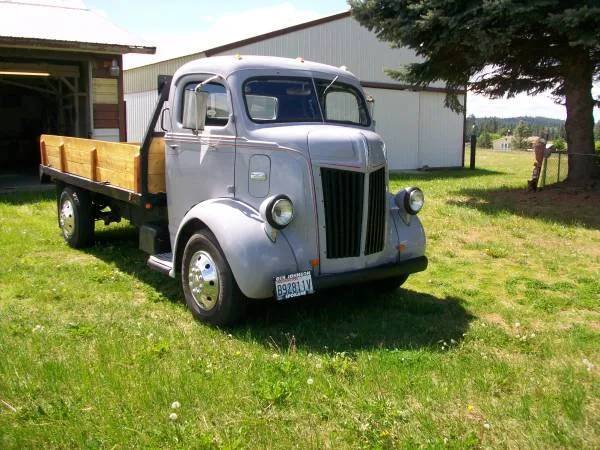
(217,111)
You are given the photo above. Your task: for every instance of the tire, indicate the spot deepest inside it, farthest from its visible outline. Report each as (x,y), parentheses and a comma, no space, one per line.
(75,217)
(211,292)
(388,285)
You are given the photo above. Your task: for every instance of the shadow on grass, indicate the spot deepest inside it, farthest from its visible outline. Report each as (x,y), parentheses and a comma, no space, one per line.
(338,320)
(458,173)
(119,246)
(26,197)
(558,203)
(356,318)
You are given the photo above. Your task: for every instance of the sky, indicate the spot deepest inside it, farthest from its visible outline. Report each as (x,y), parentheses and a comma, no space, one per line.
(182,27)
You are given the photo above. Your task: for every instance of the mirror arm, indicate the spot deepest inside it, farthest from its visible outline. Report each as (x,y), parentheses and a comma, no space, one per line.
(199,86)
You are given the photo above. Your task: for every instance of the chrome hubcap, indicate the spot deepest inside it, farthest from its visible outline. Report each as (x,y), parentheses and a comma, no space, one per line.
(66,218)
(203,280)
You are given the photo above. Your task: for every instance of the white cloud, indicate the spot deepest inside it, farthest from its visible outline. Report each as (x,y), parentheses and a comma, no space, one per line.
(219,31)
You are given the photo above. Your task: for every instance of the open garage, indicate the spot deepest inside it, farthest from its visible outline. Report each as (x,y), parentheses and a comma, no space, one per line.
(60,73)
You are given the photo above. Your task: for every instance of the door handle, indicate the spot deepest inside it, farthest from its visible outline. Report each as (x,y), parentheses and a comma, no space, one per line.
(174,146)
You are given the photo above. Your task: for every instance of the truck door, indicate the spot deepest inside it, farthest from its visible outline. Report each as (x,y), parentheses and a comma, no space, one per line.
(199,166)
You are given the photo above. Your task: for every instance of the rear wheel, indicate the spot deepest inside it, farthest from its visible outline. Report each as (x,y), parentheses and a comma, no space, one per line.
(210,290)
(75,217)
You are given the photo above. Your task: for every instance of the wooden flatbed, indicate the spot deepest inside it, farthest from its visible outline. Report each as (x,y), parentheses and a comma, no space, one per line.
(109,163)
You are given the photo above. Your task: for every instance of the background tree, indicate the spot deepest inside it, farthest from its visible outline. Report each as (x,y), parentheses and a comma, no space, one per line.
(559,144)
(484,140)
(501,48)
(520,134)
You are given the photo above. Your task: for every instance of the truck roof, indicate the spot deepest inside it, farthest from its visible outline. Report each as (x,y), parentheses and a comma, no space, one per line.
(225,65)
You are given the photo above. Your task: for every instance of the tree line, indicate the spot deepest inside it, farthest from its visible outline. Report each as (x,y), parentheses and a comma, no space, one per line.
(518,129)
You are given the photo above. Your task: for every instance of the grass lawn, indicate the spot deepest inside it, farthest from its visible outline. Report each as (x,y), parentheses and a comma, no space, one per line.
(497,344)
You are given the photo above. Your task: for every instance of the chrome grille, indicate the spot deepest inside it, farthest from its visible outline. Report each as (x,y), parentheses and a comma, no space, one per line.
(375,239)
(343,195)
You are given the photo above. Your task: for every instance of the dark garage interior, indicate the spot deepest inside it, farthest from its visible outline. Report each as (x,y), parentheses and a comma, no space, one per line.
(37,99)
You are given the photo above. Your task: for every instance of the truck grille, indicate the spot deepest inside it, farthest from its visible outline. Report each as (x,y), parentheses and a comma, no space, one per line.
(343,194)
(376,220)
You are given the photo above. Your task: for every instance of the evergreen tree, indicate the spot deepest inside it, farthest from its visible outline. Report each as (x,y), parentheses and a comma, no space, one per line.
(501,48)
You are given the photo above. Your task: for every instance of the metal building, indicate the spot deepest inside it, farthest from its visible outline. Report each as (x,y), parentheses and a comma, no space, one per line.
(418,129)
(60,73)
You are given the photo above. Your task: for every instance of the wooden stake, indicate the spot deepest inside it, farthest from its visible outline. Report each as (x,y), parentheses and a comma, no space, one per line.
(136,173)
(62,157)
(93,163)
(43,155)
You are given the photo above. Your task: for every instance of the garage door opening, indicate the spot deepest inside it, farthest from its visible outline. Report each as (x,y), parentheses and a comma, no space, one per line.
(37,99)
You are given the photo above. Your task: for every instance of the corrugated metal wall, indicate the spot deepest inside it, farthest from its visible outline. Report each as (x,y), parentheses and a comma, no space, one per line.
(440,132)
(140,106)
(417,128)
(143,79)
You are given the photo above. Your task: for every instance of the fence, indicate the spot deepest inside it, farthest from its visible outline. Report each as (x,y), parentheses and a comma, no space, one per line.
(556,167)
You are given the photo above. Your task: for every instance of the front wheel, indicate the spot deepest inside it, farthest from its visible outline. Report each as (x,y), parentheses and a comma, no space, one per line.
(210,290)
(75,217)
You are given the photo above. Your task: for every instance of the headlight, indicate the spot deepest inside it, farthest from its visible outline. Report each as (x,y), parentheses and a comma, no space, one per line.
(413,200)
(278,211)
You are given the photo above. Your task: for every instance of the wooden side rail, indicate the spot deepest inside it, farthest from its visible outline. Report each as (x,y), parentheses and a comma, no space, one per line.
(114,163)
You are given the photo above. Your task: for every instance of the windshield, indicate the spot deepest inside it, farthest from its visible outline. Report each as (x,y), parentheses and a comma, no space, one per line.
(285,99)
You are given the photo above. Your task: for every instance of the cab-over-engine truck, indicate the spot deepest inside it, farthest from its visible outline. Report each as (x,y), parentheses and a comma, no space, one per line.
(268,180)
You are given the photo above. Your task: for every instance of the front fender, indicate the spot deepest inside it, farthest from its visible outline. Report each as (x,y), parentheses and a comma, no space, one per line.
(411,235)
(254,259)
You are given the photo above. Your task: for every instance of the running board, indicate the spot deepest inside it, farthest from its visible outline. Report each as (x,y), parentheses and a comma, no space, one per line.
(162,262)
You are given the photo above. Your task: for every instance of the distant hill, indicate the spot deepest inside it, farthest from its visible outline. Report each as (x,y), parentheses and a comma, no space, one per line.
(536,126)
(533,121)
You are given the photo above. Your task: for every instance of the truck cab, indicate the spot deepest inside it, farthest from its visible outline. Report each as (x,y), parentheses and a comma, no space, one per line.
(276,185)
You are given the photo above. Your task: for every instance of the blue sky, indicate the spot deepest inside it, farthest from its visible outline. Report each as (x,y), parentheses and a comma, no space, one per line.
(180,27)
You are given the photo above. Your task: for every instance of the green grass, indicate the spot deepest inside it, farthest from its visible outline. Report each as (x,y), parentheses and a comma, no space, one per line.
(497,344)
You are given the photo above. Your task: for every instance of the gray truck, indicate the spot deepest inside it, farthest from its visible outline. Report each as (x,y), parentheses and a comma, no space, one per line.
(267,180)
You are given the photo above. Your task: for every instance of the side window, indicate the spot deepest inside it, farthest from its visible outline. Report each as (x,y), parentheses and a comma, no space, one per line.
(342,106)
(217,111)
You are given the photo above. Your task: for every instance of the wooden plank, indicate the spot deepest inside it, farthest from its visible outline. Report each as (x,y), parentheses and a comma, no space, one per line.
(117,165)
(123,180)
(156,183)
(54,161)
(106,116)
(76,168)
(52,153)
(105,90)
(156,165)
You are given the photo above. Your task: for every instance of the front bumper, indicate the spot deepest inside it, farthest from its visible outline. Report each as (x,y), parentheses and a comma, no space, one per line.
(371,274)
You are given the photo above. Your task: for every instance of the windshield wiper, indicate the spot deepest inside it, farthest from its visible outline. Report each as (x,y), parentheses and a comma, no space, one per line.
(330,84)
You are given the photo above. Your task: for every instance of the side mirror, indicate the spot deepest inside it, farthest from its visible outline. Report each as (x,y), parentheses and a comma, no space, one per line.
(194,109)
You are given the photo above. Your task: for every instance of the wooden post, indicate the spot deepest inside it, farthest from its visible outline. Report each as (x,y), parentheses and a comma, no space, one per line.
(93,163)
(43,154)
(473,145)
(136,173)
(62,158)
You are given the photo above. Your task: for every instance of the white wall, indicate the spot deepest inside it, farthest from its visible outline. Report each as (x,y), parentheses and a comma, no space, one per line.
(397,121)
(140,107)
(440,132)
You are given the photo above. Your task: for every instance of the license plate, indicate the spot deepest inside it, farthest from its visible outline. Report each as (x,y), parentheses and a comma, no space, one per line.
(293,285)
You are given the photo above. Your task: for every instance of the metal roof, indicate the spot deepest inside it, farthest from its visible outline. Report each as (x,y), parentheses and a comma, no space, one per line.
(63,26)
(225,65)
